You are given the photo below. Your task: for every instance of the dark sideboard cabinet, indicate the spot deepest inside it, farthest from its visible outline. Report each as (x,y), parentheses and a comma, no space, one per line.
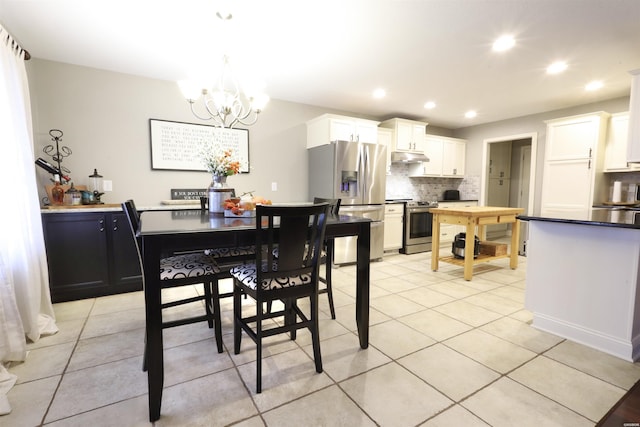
(90,254)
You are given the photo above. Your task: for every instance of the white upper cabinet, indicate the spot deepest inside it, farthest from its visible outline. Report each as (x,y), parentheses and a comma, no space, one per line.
(633,149)
(384,138)
(433,150)
(408,135)
(331,127)
(572,180)
(576,137)
(615,159)
(446,158)
(453,157)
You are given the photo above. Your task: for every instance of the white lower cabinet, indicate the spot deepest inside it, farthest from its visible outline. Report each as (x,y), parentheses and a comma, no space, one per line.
(393,226)
(449,231)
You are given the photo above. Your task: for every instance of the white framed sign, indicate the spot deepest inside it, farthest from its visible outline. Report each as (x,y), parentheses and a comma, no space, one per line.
(177,145)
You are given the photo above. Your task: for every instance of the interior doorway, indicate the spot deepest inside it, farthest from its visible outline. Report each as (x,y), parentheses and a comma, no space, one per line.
(508,179)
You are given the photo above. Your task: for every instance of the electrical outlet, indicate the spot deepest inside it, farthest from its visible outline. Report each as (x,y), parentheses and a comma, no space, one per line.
(274,186)
(107,185)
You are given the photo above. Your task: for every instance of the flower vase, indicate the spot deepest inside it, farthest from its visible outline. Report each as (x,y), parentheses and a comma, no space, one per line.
(218,193)
(219,181)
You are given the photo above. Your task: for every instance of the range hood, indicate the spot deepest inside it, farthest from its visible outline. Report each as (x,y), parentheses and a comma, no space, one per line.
(407,157)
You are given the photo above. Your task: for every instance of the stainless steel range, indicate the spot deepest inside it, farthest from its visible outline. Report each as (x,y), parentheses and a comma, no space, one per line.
(418,222)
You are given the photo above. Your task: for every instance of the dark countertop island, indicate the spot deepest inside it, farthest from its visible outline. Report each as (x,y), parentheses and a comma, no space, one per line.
(607,217)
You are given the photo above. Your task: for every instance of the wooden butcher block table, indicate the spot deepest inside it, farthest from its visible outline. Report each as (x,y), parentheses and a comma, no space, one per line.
(472,217)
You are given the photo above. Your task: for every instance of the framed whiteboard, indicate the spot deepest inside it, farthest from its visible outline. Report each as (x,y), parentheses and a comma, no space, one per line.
(177,145)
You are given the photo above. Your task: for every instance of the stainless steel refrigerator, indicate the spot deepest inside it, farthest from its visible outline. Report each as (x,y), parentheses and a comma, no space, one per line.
(355,173)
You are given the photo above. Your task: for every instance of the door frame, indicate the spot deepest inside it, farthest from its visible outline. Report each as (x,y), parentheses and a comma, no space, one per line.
(523,149)
(533,136)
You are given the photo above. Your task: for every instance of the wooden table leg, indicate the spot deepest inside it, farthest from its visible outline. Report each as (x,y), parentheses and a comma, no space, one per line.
(515,242)
(469,247)
(482,232)
(435,242)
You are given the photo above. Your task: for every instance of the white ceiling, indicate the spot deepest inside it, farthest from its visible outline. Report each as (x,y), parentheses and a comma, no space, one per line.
(333,53)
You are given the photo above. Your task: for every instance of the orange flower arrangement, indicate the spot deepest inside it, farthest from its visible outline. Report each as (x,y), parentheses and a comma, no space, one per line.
(220,162)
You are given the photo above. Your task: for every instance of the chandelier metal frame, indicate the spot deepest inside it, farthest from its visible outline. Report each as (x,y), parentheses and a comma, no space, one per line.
(226,104)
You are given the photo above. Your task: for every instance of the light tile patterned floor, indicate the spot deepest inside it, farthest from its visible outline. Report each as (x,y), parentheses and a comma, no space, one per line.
(443,351)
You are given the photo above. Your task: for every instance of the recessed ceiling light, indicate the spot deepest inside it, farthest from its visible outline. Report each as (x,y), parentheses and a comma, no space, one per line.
(470,114)
(429,105)
(594,85)
(379,93)
(503,43)
(557,67)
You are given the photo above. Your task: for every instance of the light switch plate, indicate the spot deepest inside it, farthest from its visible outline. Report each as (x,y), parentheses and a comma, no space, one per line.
(107,185)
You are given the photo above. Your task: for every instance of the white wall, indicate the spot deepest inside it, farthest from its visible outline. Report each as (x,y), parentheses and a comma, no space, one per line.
(105,120)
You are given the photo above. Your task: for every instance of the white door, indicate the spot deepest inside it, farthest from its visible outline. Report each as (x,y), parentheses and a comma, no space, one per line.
(498,195)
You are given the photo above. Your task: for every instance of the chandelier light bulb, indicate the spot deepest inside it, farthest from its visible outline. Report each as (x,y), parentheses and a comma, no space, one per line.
(190,89)
(259,101)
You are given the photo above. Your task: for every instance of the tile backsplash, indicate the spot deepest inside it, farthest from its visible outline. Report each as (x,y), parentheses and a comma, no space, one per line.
(400,186)
(629,182)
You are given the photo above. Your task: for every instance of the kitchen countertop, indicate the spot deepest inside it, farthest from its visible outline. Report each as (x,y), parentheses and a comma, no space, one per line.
(108,207)
(600,217)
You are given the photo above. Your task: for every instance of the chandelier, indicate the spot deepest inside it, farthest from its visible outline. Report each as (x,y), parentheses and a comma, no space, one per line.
(226,103)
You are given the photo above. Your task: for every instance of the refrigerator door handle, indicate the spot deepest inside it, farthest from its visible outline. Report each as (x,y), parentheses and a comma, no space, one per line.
(364,171)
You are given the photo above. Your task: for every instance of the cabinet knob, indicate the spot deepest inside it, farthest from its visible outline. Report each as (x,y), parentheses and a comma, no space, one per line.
(115,224)
(101,224)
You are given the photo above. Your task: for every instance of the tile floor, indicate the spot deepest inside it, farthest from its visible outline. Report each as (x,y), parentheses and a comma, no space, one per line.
(443,352)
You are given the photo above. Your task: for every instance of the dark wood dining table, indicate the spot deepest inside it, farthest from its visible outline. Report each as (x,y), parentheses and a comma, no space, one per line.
(165,232)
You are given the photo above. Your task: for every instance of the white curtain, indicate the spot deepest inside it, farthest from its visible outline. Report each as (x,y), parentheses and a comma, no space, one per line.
(25,301)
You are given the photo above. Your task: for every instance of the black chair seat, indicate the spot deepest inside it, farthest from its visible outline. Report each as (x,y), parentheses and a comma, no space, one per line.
(227,253)
(187,265)
(247,275)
